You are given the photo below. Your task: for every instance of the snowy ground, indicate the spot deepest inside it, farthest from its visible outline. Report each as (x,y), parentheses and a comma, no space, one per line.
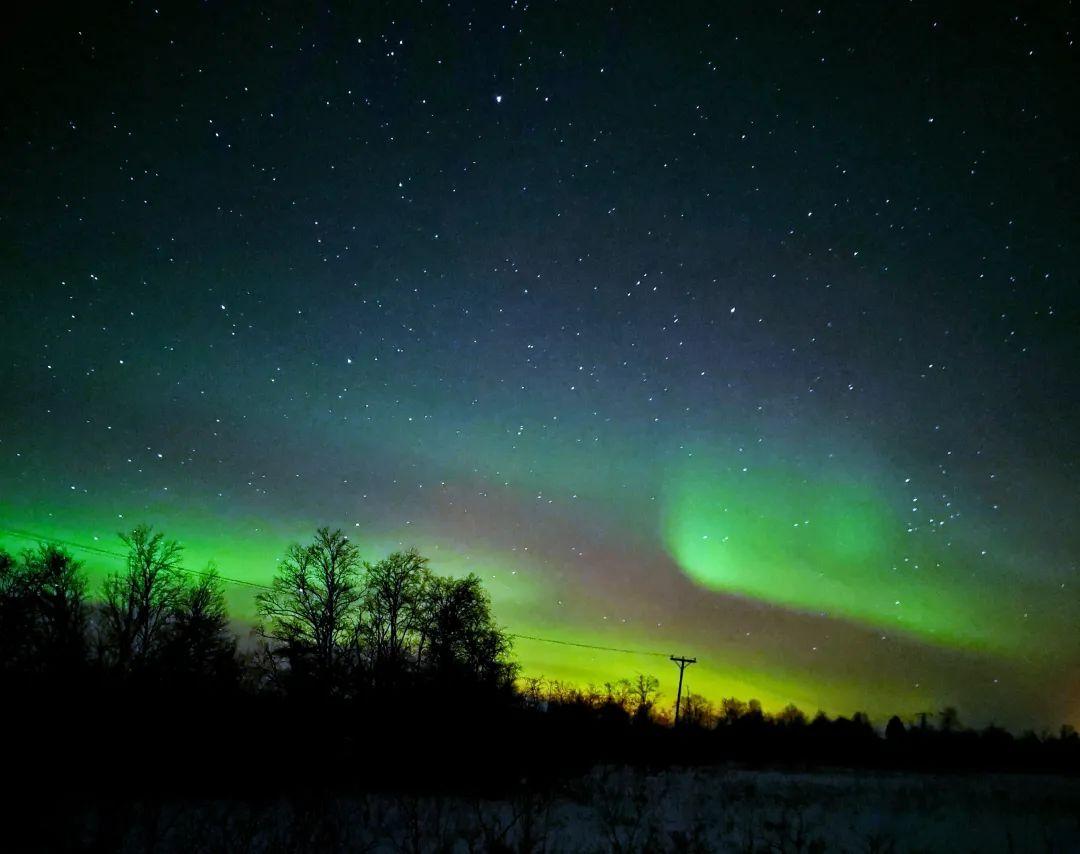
(615,809)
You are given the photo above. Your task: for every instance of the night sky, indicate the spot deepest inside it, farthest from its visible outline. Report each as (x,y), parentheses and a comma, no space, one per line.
(745,332)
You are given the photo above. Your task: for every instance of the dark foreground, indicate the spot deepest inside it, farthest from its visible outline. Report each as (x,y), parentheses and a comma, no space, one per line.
(100,773)
(617,808)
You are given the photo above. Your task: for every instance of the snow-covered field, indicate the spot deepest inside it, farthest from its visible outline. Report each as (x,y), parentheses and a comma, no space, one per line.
(618,809)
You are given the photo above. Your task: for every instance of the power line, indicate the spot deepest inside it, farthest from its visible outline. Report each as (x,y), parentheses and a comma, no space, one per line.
(98,550)
(25,535)
(589,645)
(56,541)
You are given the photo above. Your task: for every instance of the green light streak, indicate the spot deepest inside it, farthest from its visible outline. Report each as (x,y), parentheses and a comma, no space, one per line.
(824,546)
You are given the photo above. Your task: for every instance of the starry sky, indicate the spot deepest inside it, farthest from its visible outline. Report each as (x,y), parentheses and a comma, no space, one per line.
(741,331)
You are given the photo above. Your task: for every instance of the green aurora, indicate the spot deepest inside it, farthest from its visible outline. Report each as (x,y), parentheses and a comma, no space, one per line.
(831,547)
(743,333)
(798,556)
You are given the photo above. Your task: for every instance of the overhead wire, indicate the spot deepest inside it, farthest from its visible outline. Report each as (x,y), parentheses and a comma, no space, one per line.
(590,645)
(98,550)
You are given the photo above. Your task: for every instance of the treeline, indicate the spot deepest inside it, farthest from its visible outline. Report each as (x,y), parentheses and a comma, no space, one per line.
(331,625)
(357,675)
(334,624)
(363,674)
(628,712)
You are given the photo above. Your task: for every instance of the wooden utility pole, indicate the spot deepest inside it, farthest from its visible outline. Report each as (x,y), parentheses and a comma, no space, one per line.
(682,662)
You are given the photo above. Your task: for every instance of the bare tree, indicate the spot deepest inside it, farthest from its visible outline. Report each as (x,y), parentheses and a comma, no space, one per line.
(463,640)
(696,712)
(791,716)
(310,614)
(731,709)
(59,590)
(12,612)
(139,603)
(43,610)
(396,613)
(619,695)
(533,692)
(201,645)
(644,692)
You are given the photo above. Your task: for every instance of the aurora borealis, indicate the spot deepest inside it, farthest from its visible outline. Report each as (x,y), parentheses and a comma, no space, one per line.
(748,333)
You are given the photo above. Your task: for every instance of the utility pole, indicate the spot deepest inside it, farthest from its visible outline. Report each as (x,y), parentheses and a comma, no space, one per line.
(682,662)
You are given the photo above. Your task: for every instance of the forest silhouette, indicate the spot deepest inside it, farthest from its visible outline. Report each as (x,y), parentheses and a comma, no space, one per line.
(364,676)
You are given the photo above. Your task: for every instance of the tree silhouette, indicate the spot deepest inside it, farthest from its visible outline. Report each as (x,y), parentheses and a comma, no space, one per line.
(138,604)
(644,692)
(16,616)
(43,610)
(444,667)
(791,717)
(201,647)
(310,614)
(463,641)
(950,719)
(11,612)
(58,588)
(533,693)
(731,709)
(696,712)
(397,613)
